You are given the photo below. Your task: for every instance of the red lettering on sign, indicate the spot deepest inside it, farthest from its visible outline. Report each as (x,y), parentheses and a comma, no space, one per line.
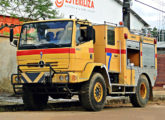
(59,3)
(92,5)
(88,3)
(76,2)
(80,2)
(84,3)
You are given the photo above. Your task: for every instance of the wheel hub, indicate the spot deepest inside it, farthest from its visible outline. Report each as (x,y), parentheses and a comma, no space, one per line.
(98,92)
(143,90)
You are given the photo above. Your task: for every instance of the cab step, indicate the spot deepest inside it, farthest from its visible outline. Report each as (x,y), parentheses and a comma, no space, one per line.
(122,89)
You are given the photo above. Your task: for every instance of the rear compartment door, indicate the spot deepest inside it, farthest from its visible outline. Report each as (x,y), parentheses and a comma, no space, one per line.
(148,55)
(112,51)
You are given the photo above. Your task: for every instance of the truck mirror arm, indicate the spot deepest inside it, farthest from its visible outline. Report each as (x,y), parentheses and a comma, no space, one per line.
(11,35)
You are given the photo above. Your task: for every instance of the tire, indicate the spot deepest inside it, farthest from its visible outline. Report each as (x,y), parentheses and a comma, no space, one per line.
(79,97)
(93,93)
(141,97)
(33,101)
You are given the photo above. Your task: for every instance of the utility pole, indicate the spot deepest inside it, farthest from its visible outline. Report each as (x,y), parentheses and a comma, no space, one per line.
(126,13)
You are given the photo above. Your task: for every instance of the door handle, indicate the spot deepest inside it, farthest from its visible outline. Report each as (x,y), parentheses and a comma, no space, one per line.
(78,49)
(115,55)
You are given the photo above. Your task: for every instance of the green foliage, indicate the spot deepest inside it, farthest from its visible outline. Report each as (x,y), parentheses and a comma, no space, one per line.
(6,33)
(17,35)
(28,9)
(154,32)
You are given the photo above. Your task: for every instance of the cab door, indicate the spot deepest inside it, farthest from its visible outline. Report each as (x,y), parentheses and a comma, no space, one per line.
(84,47)
(112,51)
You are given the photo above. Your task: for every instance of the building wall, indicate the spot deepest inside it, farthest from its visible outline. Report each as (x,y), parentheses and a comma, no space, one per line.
(7,63)
(161,36)
(103,10)
(135,23)
(9,20)
(160,81)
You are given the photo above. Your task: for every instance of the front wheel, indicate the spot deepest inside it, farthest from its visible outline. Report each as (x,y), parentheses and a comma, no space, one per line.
(93,93)
(141,97)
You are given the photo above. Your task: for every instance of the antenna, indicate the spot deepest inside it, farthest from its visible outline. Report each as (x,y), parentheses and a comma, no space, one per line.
(70,16)
(110,23)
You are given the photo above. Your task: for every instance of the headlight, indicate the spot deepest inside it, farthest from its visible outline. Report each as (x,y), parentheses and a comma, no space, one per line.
(47,73)
(61,77)
(16,79)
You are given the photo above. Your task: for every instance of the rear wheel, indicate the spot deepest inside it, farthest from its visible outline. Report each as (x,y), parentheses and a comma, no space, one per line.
(141,97)
(93,93)
(33,101)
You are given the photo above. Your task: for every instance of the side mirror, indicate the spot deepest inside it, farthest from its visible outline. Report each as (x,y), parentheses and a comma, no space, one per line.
(91,33)
(15,42)
(80,39)
(11,35)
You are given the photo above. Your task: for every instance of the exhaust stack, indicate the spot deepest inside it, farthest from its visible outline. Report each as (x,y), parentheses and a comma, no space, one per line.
(126,13)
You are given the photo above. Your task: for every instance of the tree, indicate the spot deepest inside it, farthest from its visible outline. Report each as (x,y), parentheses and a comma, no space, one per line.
(28,9)
(154,32)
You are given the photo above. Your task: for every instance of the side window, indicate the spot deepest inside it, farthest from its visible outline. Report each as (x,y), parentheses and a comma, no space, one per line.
(111,37)
(81,34)
(78,34)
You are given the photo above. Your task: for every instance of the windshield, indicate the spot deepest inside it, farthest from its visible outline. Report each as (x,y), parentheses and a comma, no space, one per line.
(46,35)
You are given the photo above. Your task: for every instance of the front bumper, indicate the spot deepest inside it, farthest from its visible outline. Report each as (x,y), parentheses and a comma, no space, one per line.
(41,77)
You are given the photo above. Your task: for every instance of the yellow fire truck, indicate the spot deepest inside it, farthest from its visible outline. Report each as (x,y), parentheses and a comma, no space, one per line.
(65,57)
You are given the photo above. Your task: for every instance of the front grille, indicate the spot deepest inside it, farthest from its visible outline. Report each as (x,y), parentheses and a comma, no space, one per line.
(36,64)
(52,63)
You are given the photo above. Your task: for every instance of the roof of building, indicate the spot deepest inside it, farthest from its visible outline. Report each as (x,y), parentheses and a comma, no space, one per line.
(135,14)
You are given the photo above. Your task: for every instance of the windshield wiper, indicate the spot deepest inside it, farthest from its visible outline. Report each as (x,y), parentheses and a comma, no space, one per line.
(48,45)
(30,46)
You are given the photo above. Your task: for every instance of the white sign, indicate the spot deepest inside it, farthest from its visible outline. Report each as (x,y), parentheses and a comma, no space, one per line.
(81,9)
(83,3)
(96,11)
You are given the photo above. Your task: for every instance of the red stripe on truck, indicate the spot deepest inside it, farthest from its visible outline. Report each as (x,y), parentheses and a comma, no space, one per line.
(46,51)
(91,50)
(116,51)
(156,55)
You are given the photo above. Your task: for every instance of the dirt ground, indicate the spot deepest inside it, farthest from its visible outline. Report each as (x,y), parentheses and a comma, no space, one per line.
(153,111)
(72,110)
(12,108)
